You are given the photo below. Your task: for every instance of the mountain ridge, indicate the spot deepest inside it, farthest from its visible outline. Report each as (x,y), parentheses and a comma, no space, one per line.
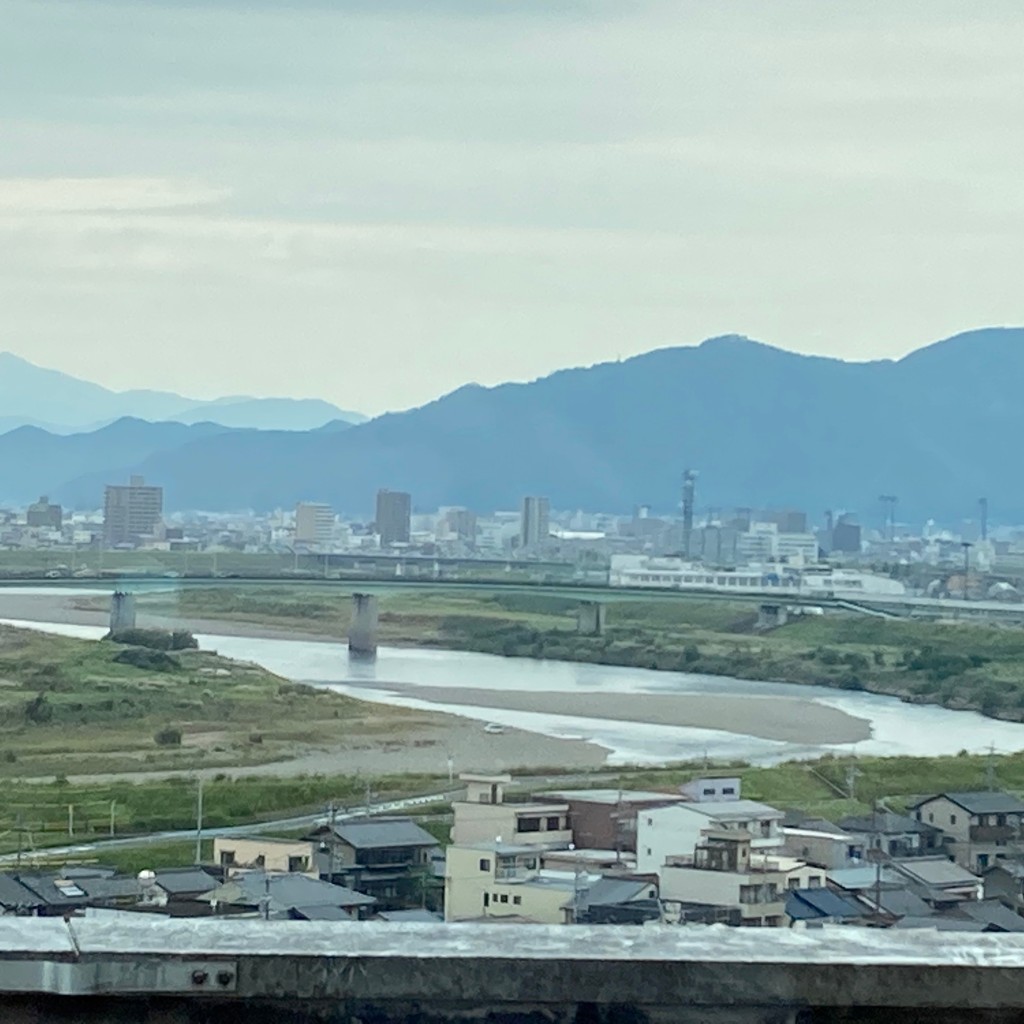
(61,403)
(764,426)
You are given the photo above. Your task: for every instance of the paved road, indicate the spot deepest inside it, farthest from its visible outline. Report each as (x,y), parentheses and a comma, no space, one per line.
(280,824)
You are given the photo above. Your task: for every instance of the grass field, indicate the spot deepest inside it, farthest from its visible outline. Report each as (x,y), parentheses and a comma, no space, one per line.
(70,706)
(969,666)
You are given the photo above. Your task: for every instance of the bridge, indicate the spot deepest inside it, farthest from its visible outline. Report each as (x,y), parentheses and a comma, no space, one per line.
(144,968)
(775,604)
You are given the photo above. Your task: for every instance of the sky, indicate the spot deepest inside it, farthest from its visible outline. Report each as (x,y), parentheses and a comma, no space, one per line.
(377,201)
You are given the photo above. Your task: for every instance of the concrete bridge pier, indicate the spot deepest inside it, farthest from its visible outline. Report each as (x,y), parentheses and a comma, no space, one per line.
(590,618)
(362,630)
(122,612)
(771,616)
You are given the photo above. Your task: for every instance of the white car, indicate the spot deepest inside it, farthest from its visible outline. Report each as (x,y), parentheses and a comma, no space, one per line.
(494,727)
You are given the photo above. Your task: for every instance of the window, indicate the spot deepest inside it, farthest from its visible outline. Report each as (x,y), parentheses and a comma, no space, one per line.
(227,857)
(297,863)
(528,825)
(729,791)
(554,824)
(794,883)
(504,897)
(260,861)
(952,819)
(814,882)
(485,864)
(650,821)
(487,899)
(708,791)
(517,900)
(648,851)
(766,828)
(931,817)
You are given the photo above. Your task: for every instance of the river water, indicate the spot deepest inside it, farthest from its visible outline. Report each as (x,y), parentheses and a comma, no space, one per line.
(896,727)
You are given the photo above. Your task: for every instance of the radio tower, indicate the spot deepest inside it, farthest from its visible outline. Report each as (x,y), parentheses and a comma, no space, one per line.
(689,480)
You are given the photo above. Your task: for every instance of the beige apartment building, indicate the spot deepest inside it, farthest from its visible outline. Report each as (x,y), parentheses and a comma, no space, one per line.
(295,856)
(485,816)
(979,829)
(504,880)
(724,872)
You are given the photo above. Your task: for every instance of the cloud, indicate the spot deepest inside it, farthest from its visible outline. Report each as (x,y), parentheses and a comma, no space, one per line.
(67,195)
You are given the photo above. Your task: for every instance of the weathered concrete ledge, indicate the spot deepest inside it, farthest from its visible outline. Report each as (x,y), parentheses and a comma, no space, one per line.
(153,969)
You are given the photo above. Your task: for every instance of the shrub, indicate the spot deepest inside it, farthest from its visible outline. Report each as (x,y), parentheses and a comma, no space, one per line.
(143,657)
(691,653)
(155,639)
(168,736)
(255,737)
(39,710)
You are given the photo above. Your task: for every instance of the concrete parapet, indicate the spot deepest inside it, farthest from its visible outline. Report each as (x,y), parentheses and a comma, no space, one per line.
(286,972)
(362,630)
(590,618)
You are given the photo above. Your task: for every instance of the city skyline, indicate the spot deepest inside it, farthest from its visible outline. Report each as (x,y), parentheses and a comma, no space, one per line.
(478,194)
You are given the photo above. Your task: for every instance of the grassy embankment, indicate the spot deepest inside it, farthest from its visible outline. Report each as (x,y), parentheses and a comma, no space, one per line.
(71,707)
(968,666)
(817,787)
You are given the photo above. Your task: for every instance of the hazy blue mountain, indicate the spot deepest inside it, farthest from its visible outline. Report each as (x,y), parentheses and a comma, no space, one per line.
(764,427)
(35,396)
(34,462)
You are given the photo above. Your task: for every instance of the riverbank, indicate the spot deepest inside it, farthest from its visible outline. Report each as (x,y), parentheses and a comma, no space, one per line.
(953,665)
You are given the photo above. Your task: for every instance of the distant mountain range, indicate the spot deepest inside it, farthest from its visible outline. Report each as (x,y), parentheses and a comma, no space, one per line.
(764,427)
(31,395)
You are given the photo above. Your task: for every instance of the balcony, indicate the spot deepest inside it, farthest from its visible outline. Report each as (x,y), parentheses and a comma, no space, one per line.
(994,833)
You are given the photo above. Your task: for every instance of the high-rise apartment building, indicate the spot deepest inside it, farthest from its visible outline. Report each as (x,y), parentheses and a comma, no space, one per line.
(131,512)
(534,522)
(394,517)
(314,524)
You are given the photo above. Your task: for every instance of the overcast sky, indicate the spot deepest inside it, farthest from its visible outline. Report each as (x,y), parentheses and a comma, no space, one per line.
(374,202)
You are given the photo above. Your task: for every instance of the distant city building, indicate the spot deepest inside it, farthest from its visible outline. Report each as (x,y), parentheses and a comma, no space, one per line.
(314,523)
(394,517)
(534,522)
(846,535)
(43,515)
(461,522)
(131,512)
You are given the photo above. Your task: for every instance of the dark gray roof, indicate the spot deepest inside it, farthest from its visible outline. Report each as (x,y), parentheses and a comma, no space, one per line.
(183,881)
(44,885)
(410,916)
(110,888)
(13,894)
(375,833)
(983,802)
(994,915)
(287,891)
(886,823)
(935,872)
(816,904)
(900,903)
(319,913)
(942,924)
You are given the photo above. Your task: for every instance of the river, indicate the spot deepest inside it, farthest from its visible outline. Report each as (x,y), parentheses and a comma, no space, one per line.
(404,676)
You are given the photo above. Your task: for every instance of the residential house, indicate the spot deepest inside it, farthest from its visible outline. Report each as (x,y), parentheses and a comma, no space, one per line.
(897,835)
(626,900)
(1004,881)
(826,846)
(979,828)
(725,872)
(605,819)
(235,852)
(390,859)
(288,895)
(674,830)
(499,879)
(484,815)
(823,906)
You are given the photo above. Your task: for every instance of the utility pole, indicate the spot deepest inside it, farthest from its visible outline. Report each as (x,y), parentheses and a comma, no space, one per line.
(689,483)
(368,798)
(852,771)
(113,806)
(71,821)
(990,768)
(199,823)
